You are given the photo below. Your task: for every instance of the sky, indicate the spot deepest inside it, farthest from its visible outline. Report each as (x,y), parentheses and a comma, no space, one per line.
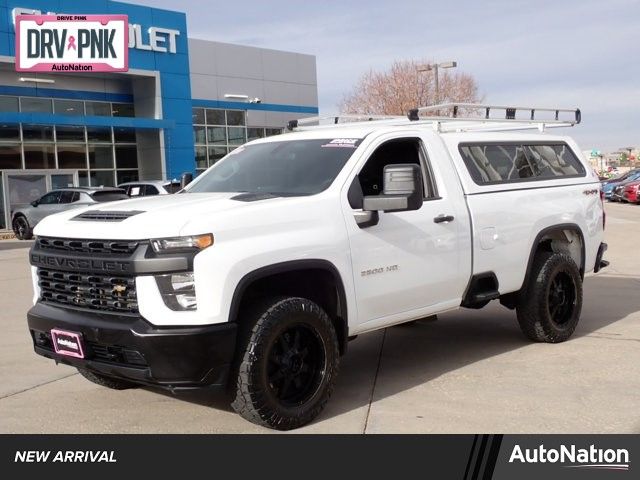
(562,53)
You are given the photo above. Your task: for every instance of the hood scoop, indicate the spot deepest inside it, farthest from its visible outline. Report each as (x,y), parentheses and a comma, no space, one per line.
(106,215)
(253,197)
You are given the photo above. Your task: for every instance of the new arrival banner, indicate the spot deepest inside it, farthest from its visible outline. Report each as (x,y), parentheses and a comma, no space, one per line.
(72,43)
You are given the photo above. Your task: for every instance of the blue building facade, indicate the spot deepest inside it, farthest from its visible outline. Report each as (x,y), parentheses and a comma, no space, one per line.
(183,104)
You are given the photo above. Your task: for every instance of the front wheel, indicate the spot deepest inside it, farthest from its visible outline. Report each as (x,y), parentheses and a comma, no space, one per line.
(288,365)
(21,228)
(549,307)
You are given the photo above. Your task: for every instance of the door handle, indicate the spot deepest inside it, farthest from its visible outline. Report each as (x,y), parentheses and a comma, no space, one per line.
(443,218)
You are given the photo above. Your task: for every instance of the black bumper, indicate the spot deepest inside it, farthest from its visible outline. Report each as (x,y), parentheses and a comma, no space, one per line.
(130,348)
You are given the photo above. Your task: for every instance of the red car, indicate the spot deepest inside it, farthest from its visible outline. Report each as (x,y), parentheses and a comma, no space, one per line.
(630,193)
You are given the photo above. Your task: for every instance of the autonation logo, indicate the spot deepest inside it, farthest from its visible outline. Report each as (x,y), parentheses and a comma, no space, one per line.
(573,457)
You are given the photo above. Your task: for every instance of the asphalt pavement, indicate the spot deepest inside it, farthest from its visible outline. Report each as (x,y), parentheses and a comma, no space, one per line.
(469,371)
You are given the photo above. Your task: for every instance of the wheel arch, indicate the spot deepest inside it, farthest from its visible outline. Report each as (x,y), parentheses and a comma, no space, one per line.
(288,272)
(545,240)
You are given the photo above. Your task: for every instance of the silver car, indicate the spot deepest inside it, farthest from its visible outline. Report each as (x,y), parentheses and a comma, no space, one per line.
(27,217)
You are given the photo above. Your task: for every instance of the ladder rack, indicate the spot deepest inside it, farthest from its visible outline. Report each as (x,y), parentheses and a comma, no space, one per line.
(457,117)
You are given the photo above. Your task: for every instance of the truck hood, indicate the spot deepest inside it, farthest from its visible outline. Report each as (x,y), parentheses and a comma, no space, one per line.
(151,217)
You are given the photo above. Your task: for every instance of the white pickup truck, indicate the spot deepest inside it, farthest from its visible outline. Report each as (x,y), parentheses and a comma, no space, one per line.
(256,276)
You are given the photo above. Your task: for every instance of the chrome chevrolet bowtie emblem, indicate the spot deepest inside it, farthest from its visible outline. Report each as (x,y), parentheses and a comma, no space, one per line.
(119,289)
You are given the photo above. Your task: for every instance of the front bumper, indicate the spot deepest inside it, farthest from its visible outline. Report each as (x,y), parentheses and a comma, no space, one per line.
(130,348)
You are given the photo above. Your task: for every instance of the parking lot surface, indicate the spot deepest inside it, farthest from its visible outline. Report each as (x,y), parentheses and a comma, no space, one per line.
(469,371)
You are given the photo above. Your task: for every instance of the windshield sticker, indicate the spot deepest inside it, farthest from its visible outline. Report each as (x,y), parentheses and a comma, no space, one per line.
(342,142)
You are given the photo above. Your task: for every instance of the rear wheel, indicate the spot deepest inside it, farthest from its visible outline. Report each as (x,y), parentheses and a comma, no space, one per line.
(549,308)
(288,366)
(105,381)
(21,228)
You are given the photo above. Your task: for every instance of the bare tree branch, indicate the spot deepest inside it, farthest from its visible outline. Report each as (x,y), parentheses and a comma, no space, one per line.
(402,87)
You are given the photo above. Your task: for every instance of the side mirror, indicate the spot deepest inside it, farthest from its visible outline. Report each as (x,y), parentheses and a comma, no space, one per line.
(35,203)
(185,179)
(402,190)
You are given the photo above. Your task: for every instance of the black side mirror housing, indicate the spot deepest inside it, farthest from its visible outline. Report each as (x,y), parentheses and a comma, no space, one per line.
(403,190)
(186,179)
(35,203)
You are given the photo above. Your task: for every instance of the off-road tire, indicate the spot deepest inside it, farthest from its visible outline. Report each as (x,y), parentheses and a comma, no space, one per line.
(549,307)
(21,228)
(105,381)
(268,358)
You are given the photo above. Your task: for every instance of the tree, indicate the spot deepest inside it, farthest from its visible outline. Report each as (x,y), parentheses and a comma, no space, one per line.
(401,88)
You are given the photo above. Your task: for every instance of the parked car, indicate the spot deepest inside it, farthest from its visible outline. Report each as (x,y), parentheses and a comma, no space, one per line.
(630,193)
(258,274)
(617,194)
(609,185)
(147,188)
(24,219)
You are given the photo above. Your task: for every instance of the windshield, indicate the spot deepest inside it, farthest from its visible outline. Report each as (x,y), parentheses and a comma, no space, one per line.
(291,168)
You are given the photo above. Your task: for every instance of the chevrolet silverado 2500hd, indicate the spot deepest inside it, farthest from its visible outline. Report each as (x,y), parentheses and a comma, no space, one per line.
(258,273)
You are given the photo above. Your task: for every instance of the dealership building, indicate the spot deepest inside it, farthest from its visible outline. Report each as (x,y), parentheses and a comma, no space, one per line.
(182,105)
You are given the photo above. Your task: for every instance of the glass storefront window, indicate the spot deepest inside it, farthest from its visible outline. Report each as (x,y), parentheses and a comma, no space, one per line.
(100,156)
(68,107)
(9,133)
(237,135)
(127,176)
(201,157)
(98,109)
(273,131)
(10,157)
(124,135)
(216,153)
(37,133)
(122,110)
(69,134)
(83,178)
(197,116)
(99,134)
(254,133)
(126,157)
(39,156)
(215,117)
(102,178)
(34,104)
(235,117)
(72,156)
(199,135)
(216,135)
(8,104)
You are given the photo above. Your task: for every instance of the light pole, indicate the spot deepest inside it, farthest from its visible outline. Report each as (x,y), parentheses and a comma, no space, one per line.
(435,67)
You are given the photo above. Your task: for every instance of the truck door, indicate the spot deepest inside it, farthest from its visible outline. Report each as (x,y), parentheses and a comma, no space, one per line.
(408,264)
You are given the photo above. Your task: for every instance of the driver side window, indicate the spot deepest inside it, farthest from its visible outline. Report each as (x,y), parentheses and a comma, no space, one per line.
(393,152)
(50,198)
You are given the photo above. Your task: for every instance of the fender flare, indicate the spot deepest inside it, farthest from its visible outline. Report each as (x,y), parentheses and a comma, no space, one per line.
(536,242)
(292,266)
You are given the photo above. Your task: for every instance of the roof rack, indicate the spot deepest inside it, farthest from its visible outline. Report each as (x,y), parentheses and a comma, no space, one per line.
(338,119)
(457,117)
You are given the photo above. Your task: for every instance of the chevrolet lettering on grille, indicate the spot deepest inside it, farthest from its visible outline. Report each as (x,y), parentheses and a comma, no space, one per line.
(79,264)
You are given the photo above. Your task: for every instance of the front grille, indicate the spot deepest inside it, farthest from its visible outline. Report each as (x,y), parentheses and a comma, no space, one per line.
(116,354)
(111,247)
(88,290)
(106,215)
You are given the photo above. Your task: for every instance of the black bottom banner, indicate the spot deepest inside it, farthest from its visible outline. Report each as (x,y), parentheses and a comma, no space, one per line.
(465,457)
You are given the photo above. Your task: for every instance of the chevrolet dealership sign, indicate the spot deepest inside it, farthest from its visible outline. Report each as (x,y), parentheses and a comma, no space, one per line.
(59,43)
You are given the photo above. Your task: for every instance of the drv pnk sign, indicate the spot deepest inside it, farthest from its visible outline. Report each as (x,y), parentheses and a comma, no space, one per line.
(72,43)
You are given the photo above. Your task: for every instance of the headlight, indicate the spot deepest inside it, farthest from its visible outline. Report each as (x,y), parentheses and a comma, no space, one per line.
(192,243)
(178,290)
